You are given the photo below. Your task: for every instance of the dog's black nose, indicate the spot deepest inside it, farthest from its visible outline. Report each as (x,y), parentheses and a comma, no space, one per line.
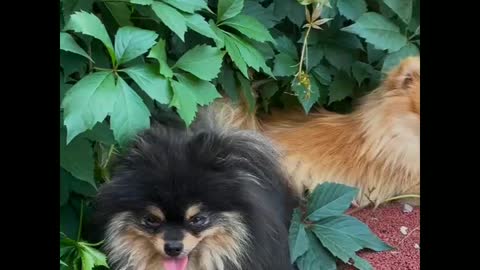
(173,248)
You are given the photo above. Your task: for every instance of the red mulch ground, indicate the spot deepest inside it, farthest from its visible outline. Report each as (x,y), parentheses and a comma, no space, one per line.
(386,222)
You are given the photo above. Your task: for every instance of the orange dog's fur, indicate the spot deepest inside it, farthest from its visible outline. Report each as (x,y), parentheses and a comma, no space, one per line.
(376,148)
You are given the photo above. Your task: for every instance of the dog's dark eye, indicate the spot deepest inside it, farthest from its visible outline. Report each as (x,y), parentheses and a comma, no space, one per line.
(151,221)
(199,220)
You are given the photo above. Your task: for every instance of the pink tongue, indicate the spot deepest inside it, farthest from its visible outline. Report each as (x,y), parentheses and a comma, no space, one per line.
(176,264)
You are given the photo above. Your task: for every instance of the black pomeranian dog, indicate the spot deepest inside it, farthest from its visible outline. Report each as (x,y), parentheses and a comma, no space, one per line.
(203,198)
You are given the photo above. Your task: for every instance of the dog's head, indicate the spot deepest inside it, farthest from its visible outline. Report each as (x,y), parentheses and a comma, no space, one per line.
(177,200)
(404,80)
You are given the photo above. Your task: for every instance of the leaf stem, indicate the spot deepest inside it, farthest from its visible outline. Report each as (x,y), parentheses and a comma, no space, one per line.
(90,63)
(304,48)
(110,151)
(94,244)
(104,164)
(402,197)
(414,34)
(104,69)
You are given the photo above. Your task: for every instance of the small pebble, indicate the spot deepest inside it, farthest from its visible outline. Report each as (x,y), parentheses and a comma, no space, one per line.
(404,230)
(416,246)
(407,208)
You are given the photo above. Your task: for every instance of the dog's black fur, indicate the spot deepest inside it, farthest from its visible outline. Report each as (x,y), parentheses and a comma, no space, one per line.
(226,170)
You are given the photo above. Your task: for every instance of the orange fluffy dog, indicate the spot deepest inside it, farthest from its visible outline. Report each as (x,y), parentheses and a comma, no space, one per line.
(376,148)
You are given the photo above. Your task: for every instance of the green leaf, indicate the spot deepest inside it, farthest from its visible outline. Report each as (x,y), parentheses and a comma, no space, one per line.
(316,257)
(205,92)
(263,15)
(403,8)
(227,80)
(284,65)
(131,42)
(70,6)
(361,71)
(89,24)
(346,40)
(102,59)
(198,24)
(69,183)
(393,59)
(340,245)
(185,101)
(330,10)
(329,199)
(357,231)
(307,101)
(77,158)
(341,87)
(101,132)
(91,257)
(66,247)
(142,2)
(173,19)
(374,55)
(322,74)
(87,262)
(89,101)
(219,33)
(63,263)
(247,91)
(158,52)
(120,12)
(67,43)
(72,63)
(66,241)
(202,61)
(268,90)
(414,24)
(154,84)
(385,10)
(130,115)
(264,48)
(416,32)
(339,57)
(83,188)
(285,45)
(352,9)
(227,9)
(297,237)
(250,55)
(378,31)
(250,27)
(314,56)
(323,91)
(234,53)
(290,9)
(189,6)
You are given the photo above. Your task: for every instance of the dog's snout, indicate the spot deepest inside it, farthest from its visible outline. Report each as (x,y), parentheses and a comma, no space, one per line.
(173,248)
